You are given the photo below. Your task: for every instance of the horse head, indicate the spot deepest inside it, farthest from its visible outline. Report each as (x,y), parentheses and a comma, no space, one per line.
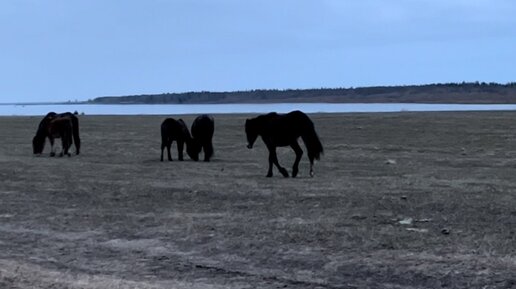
(38,144)
(193,148)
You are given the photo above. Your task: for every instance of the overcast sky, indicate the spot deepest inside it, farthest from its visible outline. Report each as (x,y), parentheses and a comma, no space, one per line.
(58,50)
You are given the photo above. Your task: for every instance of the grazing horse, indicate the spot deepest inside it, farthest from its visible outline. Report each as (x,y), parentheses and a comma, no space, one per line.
(174,130)
(54,125)
(279,130)
(202,134)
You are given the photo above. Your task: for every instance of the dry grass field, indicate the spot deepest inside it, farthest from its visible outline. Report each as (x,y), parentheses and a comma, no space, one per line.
(401,200)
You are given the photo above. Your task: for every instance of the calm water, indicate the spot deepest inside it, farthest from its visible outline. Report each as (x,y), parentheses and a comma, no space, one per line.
(174,109)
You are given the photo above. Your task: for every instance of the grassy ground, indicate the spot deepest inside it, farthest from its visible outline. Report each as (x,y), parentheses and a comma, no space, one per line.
(402,200)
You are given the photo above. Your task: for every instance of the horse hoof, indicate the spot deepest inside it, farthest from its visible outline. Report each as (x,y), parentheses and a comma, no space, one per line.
(269,176)
(52,154)
(312,174)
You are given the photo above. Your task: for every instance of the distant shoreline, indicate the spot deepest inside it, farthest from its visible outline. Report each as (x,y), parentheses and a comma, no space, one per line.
(447,93)
(450,93)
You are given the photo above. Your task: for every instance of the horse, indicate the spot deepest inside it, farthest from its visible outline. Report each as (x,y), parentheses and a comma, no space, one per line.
(174,130)
(279,130)
(54,125)
(202,134)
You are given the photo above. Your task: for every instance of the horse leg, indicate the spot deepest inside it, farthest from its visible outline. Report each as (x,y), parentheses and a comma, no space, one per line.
(52,152)
(180,145)
(169,144)
(162,149)
(208,150)
(70,142)
(66,142)
(68,145)
(205,151)
(311,158)
(273,159)
(63,145)
(68,149)
(299,153)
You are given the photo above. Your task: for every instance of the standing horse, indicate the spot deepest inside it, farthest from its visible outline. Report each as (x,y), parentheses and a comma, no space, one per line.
(55,125)
(202,134)
(278,130)
(174,130)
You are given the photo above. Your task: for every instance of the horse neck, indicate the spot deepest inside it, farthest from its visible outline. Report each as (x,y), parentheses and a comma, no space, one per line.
(261,124)
(41,135)
(188,136)
(42,131)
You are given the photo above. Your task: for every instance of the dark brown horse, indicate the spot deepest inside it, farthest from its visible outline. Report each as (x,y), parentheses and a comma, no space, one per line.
(52,126)
(174,130)
(278,130)
(202,135)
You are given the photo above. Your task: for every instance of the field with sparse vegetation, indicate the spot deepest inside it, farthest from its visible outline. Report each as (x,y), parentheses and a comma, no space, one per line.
(399,200)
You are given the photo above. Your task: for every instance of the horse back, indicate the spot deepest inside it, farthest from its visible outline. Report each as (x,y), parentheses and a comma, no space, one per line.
(203,127)
(174,129)
(283,129)
(60,125)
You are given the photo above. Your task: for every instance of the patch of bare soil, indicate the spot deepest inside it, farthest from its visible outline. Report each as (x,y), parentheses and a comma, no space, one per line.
(401,200)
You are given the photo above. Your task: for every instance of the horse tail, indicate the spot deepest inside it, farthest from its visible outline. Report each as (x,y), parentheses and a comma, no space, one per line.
(312,142)
(164,134)
(68,133)
(207,130)
(75,133)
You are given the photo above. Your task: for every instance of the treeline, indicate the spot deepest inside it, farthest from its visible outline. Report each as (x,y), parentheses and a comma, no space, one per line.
(465,92)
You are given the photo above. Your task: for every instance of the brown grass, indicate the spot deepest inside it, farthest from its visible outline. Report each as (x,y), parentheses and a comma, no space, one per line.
(116,217)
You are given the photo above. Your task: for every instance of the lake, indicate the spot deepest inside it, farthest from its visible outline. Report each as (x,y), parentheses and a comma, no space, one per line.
(175,109)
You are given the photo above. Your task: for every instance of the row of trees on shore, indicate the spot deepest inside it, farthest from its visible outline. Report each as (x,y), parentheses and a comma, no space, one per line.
(465,92)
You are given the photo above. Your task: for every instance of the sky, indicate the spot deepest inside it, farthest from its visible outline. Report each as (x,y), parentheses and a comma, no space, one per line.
(60,50)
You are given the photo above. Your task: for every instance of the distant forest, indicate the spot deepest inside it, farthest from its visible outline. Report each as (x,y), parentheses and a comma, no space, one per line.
(466,92)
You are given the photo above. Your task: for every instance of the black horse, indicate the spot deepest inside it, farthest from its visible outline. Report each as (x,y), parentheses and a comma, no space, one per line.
(57,125)
(174,130)
(202,134)
(279,130)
